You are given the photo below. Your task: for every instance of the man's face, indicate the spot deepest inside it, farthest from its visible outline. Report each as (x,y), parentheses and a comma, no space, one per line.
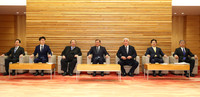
(42,41)
(97,43)
(73,43)
(182,44)
(17,43)
(153,43)
(126,42)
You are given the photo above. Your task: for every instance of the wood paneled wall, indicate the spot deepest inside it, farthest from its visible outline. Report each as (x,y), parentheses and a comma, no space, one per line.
(188,29)
(7,32)
(11,27)
(192,34)
(109,20)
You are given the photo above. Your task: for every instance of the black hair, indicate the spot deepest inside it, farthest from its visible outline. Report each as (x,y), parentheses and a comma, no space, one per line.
(18,40)
(153,40)
(42,38)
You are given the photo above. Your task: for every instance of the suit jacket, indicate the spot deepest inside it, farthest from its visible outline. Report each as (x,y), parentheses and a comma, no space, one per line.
(122,52)
(179,53)
(69,54)
(102,52)
(44,53)
(19,51)
(158,54)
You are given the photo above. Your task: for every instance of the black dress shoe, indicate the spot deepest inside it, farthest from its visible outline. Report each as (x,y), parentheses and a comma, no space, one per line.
(36,73)
(42,74)
(154,74)
(160,74)
(187,74)
(102,74)
(123,74)
(130,74)
(192,75)
(13,73)
(94,74)
(5,74)
(70,74)
(65,73)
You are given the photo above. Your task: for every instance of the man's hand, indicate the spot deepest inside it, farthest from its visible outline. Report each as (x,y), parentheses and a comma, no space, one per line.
(124,58)
(31,56)
(89,56)
(76,56)
(63,57)
(129,57)
(148,56)
(3,55)
(21,56)
(195,57)
(107,56)
(49,56)
(176,56)
(165,56)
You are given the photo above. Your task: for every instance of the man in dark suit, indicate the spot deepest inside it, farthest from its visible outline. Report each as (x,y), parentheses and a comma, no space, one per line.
(98,54)
(69,58)
(184,55)
(155,54)
(127,55)
(13,56)
(43,51)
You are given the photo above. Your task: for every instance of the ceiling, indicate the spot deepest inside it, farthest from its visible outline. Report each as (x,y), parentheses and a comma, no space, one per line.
(176,10)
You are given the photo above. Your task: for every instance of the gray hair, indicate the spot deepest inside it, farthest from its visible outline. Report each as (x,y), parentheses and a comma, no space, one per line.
(125,39)
(181,41)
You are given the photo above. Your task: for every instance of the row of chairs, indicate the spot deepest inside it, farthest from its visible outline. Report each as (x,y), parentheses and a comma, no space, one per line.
(145,59)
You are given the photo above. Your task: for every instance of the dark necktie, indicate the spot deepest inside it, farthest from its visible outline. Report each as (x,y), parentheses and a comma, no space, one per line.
(184,54)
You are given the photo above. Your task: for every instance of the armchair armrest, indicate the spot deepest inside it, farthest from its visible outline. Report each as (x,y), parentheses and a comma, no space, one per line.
(145,59)
(52,59)
(79,59)
(166,59)
(89,60)
(108,60)
(24,59)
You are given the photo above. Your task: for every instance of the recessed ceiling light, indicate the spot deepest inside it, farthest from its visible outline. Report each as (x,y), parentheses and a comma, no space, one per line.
(182,13)
(17,12)
(175,13)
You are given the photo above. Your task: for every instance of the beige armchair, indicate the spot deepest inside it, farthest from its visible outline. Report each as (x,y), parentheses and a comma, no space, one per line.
(127,67)
(174,60)
(23,59)
(107,62)
(79,61)
(50,60)
(146,59)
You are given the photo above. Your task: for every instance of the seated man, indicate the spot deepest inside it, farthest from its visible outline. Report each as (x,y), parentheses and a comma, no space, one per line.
(184,55)
(97,53)
(13,56)
(42,50)
(69,58)
(127,55)
(155,54)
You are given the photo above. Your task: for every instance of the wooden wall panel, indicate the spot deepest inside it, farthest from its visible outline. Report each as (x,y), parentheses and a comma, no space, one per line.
(178,30)
(192,35)
(7,32)
(108,20)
